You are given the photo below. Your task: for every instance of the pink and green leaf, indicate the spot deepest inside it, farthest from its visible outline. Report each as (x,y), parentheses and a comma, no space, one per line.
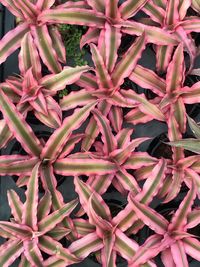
(45,47)
(29,57)
(58,139)
(150,217)
(76,16)
(75,99)
(12,41)
(12,251)
(179,219)
(150,80)
(32,253)
(50,221)
(128,62)
(69,75)
(19,126)
(15,205)
(130,8)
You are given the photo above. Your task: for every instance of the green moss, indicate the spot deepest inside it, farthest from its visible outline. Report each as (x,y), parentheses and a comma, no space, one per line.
(71,35)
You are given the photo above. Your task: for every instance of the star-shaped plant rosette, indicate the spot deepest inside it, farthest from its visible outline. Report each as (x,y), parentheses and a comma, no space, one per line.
(34,228)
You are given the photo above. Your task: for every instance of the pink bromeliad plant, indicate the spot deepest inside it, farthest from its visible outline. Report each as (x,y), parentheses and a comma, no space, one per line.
(92,141)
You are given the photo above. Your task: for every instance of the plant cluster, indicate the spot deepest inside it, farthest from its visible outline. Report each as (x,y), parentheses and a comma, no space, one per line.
(92,133)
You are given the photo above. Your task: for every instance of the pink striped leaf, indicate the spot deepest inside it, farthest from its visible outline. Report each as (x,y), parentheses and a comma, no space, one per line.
(85,191)
(138,160)
(183,7)
(188,144)
(148,250)
(50,221)
(153,219)
(88,81)
(28,9)
(179,254)
(191,25)
(179,112)
(172,14)
(136,116)
(163,57)
(97,217)
(128,62)
(193,218)
(72,4)
(123,137)
(91,36)
(145,105)
(76,16)
(153,183)
(12,41)
(69,146)
(29,57)
(57,141)
(57,43)
(53,118)
(191,95)
(142,174)
(24,262)
(19,127)
(10,4)
(49,183)
(97,5)
(189,44)
(196,5)
(112,43)
(154,34)
(155,12)
(112,11)
(83,227)
(108,139)
(167,259)
(103,78)
(116,118)
(29,216)
(192,247)
(108,254)
(44,4)
(44,206)
(150,80)
(121,155)
(86,245)
(125,246)
(12,251)
(32,253)
(175,71)
(179,219)
(59,232)
(177,179)
(69,75)
(15,205)
(130,8)
(52,247)
(128,181)
(74,99)
(16,230)
(15,167)
(45,46)
(92,130)
(80,166)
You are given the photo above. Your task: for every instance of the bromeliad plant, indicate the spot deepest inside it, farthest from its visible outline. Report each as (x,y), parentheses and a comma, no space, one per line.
(92,142)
